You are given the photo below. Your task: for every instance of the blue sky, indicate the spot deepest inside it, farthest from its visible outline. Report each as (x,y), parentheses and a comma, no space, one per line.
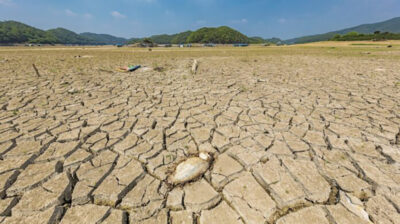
(139,18)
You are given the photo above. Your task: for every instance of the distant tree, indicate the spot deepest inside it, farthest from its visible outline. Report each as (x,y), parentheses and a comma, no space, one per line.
(352,34)
(337,37)
(147,41)
(377,32)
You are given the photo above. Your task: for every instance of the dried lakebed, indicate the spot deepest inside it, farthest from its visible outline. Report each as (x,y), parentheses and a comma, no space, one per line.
(271,137)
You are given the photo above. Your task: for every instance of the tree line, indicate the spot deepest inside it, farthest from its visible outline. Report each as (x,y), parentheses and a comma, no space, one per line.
(376,36)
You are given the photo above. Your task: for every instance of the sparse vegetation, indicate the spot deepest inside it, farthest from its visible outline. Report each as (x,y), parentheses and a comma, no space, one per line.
(376,36)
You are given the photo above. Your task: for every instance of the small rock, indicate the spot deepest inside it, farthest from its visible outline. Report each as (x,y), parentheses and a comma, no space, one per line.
(190,169)
(354,205)
(380,70)
(204,156)
(72,91)
(146,69)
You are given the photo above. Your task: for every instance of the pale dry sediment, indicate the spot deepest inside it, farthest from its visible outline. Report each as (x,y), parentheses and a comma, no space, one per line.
(270,135)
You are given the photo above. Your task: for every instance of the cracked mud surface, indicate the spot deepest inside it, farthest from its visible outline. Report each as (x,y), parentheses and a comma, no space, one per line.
(297,135)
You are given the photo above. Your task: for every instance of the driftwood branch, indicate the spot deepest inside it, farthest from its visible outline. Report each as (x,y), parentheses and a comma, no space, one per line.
(194,67)
(36,70)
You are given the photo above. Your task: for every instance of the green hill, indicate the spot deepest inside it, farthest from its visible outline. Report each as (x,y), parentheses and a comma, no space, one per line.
(68,37)
(181,38)
(134,40)
(16,32)
(260,40)
(12,32)
(392,26)
(104,38)
(274,40)
(256,40)
(219,35)
(162,38)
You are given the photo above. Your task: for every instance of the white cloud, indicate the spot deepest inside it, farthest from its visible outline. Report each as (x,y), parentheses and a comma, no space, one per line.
(70,13)
(117,15)
(6,2)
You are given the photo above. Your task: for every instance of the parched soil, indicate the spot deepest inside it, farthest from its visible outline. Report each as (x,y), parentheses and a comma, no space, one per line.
(302,134)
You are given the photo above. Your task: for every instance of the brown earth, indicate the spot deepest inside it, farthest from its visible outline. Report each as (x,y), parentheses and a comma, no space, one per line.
(300,134)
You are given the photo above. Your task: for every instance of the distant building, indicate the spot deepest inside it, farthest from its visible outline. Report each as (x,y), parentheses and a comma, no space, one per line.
(241,45)
(209,45)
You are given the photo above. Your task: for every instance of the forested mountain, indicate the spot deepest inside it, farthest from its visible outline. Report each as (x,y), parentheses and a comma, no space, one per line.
(179,38)
(12,32)
(104,38)
(219,35)
(68,37)
(16,32)
(260,40)
(392,26)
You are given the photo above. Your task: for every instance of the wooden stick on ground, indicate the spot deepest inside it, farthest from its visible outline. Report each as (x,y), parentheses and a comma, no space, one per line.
(194,67)
(36,70)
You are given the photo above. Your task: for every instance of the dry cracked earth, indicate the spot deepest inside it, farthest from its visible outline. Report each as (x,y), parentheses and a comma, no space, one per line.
(298,136)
